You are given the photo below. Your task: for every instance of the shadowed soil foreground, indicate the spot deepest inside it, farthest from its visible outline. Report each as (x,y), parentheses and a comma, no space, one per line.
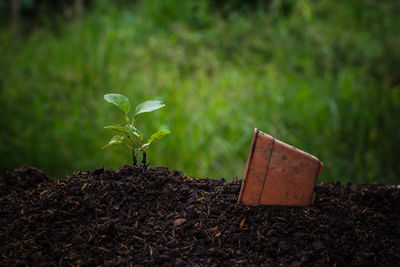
(152,217)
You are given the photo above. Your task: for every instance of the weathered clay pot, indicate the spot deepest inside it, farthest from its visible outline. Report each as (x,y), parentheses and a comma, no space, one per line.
(278,174)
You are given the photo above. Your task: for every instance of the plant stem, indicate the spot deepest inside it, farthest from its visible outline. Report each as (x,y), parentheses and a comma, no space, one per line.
(134,161)
(144,161)
(131,137)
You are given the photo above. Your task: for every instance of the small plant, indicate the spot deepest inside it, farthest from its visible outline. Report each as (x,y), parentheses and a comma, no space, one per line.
(129,135)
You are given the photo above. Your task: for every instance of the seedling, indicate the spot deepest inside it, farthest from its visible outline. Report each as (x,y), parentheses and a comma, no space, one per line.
(129,135)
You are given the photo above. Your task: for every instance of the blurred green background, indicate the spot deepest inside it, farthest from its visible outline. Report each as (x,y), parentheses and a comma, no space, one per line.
(323,76)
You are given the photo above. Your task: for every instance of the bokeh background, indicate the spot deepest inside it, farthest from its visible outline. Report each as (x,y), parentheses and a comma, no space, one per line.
(323,76)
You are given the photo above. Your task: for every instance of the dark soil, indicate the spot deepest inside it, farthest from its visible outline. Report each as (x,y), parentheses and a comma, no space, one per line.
(159,217)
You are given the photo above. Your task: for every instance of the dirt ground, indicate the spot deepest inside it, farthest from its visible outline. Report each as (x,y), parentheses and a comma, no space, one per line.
(133,216)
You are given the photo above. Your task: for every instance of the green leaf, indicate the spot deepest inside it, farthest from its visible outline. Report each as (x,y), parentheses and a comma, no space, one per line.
(136,129)
(157,136)
(144,147)
(115,140)
(138,133)
(118,129)
(120,101)
(148,106)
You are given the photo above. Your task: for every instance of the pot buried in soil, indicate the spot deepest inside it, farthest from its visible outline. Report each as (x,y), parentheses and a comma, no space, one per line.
(278,174)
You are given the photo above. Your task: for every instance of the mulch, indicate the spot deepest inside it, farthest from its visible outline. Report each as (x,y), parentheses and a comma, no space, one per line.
(132,216)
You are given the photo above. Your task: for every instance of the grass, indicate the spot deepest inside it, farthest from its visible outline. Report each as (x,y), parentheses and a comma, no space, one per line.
(323,77)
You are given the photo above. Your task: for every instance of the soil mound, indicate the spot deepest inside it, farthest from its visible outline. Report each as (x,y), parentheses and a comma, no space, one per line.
(25,177)
(152,217)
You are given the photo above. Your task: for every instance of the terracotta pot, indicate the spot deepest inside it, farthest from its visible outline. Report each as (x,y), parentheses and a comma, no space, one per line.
(278,174)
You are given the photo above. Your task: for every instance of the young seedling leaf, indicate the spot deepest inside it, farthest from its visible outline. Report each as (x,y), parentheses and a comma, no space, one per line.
(118,129)
(136,129)
(121,101)
(157,136)
(115,140)
(138,133)
(148,106)
(144,147)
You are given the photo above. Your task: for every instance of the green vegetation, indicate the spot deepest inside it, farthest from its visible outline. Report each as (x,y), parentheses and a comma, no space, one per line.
(320,75)
(130,133)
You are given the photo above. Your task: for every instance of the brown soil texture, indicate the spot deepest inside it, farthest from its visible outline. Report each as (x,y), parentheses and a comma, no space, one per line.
(133,216)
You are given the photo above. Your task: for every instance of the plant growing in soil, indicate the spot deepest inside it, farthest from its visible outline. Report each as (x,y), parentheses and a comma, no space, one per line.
(129,135)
